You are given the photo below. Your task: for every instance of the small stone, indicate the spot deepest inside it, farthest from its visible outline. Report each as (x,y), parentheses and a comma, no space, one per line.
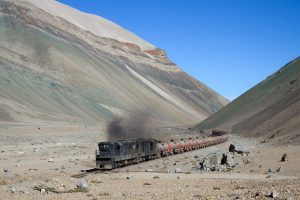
(256,194)
(270,170)
(278,170)
(51,160)
(235,196)
(12,189)
(269,176)
(216,188)
(35,150)
(149,170)
(129,177)
(246,161)
(272,194)
(178,170)
(5,170)
(284,158)
(43,191)
(82,185)
(24,192)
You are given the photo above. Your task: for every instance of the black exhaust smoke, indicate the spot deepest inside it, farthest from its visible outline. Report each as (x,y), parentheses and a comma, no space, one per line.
(132,126)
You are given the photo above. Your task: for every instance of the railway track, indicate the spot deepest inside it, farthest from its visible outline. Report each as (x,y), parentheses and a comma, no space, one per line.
(87,172)
(101,171)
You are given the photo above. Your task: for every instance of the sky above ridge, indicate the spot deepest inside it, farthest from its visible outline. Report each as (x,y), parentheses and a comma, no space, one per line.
(228,45)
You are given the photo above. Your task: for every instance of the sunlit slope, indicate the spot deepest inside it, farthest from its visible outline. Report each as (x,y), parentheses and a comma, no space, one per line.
(270,109)
(50,72)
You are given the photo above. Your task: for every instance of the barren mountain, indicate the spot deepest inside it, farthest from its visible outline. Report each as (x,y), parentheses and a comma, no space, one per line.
(270,110)
(59,64)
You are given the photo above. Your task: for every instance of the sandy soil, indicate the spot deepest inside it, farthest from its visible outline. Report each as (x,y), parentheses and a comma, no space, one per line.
(49,157)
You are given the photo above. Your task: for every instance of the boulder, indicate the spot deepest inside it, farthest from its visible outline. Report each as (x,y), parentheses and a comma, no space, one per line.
(232,148)
(239,149)
(224,159)
(213,159)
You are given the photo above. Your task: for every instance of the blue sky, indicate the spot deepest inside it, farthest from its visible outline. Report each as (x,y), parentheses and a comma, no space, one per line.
(228,45)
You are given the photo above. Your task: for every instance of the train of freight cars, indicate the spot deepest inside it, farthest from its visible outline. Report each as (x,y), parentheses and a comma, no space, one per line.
(115,154)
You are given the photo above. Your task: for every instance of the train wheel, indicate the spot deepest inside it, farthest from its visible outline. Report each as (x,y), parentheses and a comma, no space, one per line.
(118,165)
(113,165)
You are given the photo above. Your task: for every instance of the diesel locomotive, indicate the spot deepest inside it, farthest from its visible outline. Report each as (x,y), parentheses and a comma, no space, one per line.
(115,154)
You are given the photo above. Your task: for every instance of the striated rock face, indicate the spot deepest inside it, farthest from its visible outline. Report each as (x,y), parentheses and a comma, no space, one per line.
(59,64)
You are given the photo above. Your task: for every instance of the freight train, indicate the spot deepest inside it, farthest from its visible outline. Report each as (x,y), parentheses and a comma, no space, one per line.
(115,154)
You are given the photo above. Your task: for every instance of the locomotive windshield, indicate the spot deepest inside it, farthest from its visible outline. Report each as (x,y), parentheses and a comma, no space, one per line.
(104,147)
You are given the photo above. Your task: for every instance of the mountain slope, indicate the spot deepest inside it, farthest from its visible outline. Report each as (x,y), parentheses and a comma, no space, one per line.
(271,109)
(54,68)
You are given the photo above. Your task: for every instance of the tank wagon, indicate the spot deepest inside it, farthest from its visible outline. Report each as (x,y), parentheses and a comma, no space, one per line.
(115,154)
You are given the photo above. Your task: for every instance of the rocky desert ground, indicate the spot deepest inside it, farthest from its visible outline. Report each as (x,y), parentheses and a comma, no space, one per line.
(45,162)
(62,70)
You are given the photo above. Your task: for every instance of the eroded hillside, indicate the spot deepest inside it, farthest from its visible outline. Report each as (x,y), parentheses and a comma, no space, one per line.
(52,69)
(271,109)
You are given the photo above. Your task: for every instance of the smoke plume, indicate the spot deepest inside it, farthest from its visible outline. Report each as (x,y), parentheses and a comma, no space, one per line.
(132,126)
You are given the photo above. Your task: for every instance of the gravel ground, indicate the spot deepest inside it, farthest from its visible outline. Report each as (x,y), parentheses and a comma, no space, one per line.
(39,163)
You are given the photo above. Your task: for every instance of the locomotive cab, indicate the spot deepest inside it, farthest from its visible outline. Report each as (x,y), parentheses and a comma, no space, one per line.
(124,152)
(106,153)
